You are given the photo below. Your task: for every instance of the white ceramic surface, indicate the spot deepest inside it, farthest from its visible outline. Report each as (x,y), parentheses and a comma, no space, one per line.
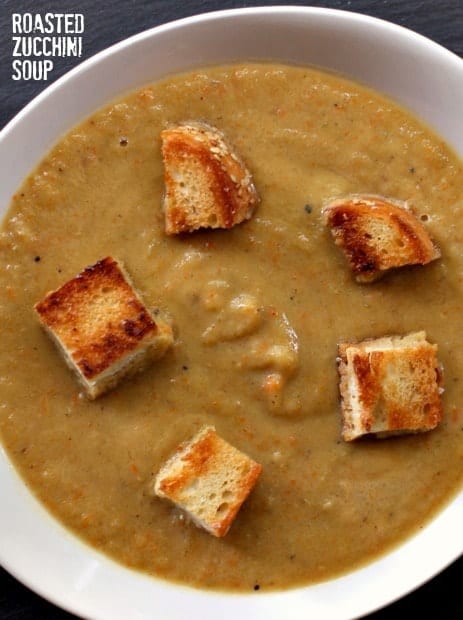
(410,68)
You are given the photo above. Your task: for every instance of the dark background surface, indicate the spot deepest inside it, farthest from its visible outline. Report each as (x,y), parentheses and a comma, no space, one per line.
(107,22)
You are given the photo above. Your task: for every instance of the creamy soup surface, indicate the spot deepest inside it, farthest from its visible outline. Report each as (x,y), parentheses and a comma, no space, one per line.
(257,311)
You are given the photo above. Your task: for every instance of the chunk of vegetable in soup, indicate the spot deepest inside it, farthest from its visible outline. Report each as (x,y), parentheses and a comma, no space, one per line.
(258,312)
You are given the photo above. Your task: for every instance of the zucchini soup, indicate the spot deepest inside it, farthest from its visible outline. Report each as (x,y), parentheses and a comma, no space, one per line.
(257,313)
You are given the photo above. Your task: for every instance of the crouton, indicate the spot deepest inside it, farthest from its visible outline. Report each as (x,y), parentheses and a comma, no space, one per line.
(208,479)
(102,327)
(206,183)
(378,234)
(389,386)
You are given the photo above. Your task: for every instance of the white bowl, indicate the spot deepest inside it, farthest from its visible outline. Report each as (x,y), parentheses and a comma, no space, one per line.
(413,70)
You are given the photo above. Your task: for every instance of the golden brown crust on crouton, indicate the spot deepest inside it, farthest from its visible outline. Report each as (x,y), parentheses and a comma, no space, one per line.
(206,184)
(209,479)
(378,234)
(97,339)
(389,385)
(99,322)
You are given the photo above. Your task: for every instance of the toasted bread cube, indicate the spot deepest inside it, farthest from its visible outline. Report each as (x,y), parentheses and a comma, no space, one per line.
(209,479)
(378,234)
(389,386)
(102,327)
(206,183)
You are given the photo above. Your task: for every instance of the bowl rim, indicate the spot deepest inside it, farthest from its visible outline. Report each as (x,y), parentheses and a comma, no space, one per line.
(80,567)
(209,16)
